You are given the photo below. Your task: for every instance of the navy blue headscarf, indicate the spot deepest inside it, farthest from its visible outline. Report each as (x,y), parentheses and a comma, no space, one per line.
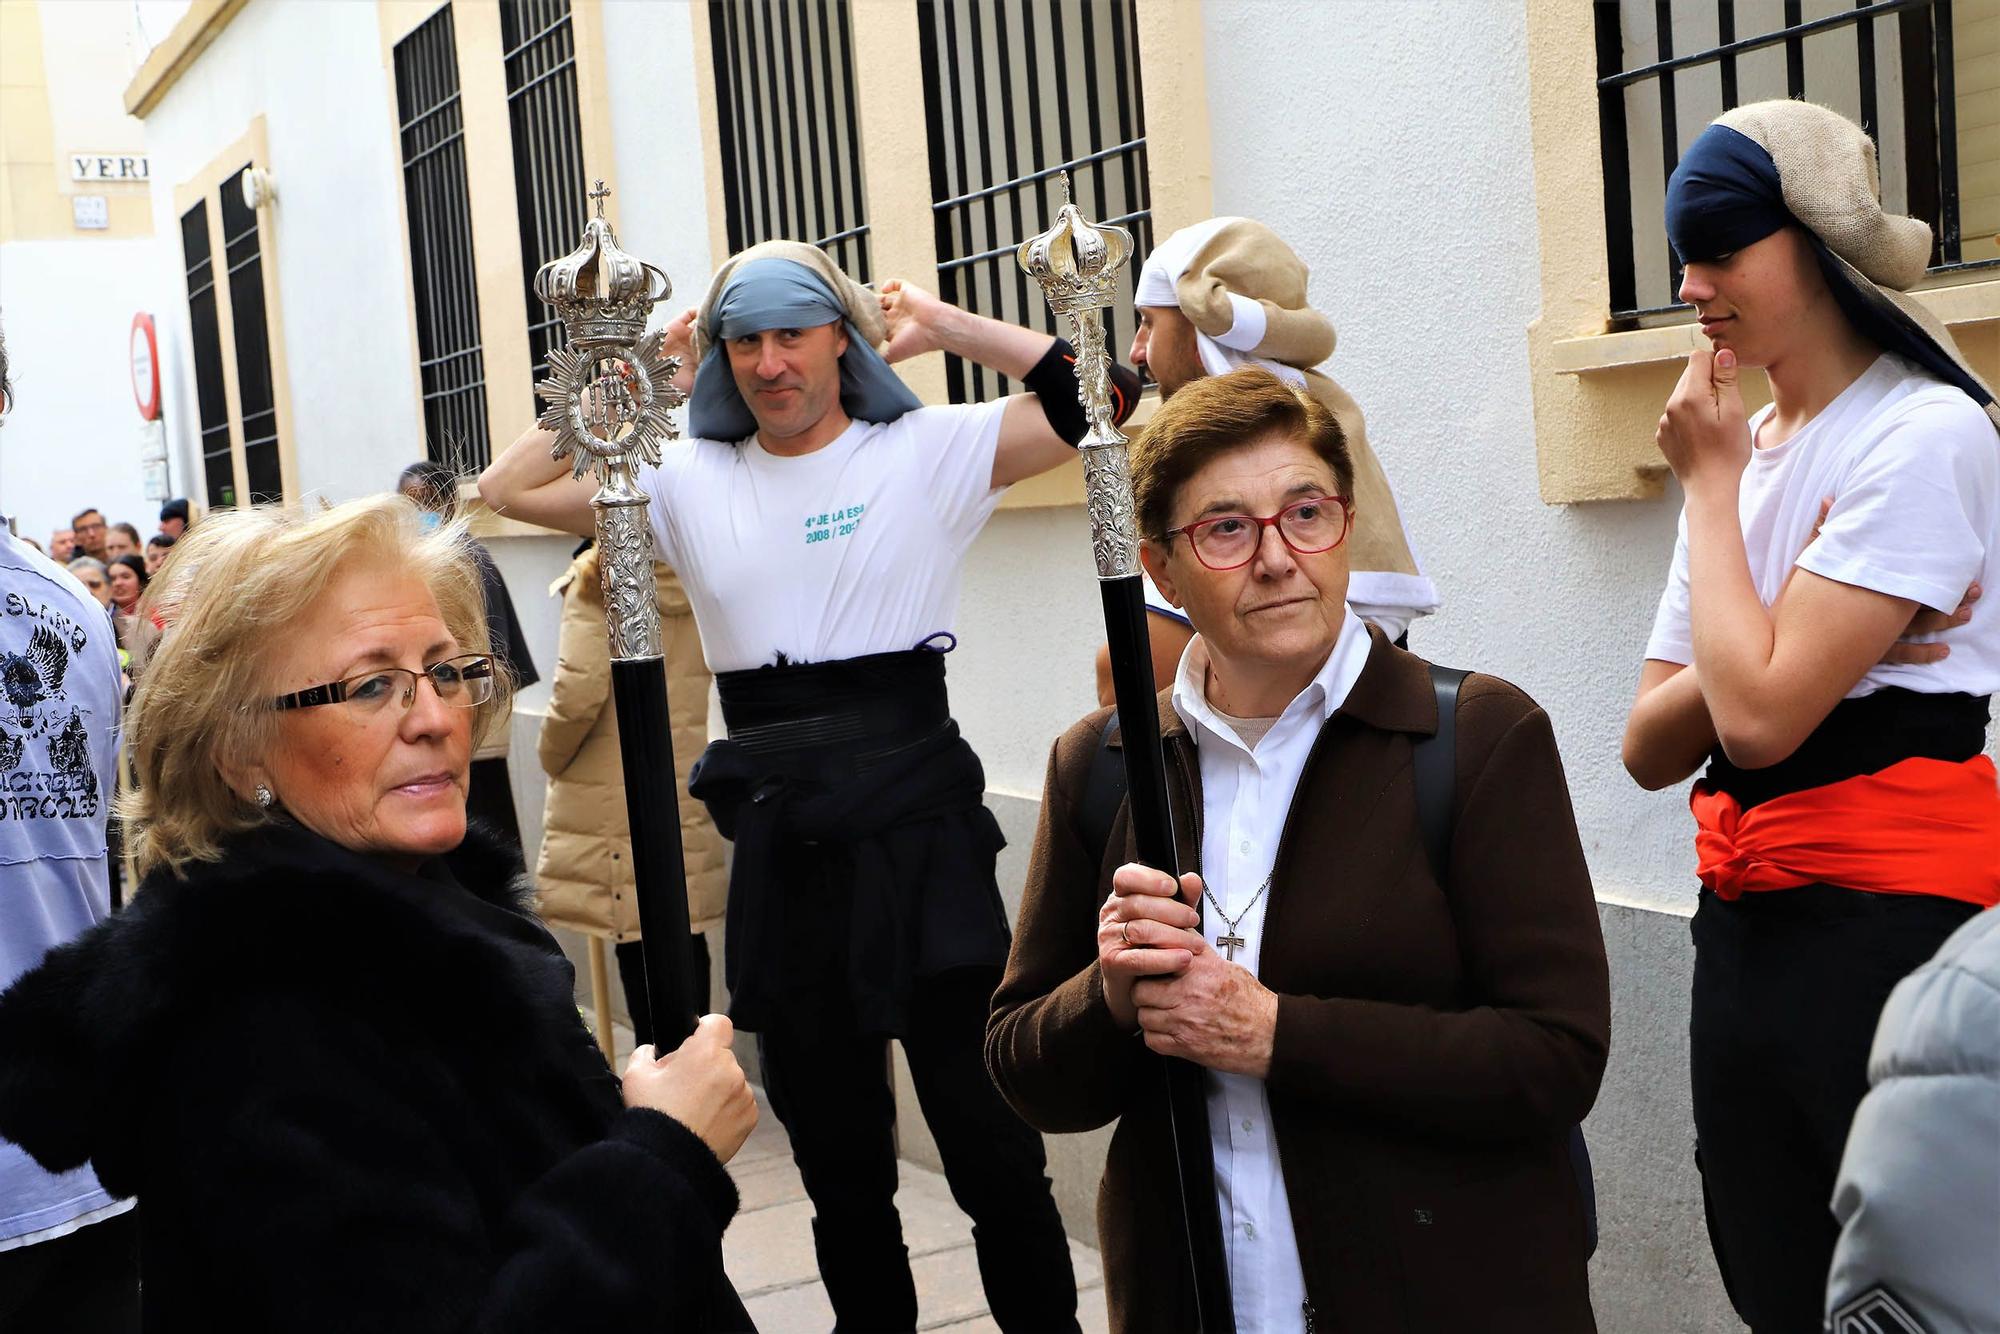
(781,294)
(1725,195)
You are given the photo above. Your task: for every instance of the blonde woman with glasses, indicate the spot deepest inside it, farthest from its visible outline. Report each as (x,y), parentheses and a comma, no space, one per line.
(328,1047)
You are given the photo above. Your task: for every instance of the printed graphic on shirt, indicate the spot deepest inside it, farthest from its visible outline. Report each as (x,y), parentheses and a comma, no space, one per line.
(46,771)
(1876,1312)
(828,525)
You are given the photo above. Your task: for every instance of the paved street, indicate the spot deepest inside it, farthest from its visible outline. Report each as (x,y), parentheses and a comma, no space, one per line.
(768,1249)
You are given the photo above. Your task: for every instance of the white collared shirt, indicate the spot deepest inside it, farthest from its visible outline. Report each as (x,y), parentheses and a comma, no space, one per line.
(1246,795)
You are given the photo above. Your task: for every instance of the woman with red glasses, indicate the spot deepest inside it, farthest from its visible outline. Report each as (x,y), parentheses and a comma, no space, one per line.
(1401,1019)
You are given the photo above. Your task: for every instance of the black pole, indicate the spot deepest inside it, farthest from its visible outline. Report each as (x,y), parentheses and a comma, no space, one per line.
(659,871)
(608,394)
(1076,264)
(1153,829)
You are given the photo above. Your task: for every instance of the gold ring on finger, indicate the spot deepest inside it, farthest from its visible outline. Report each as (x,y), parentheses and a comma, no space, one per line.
(1124,932)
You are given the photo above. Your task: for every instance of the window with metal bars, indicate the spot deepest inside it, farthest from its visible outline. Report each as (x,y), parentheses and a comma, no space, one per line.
(218,467)
(1018,91)
(1666,68)
(791,143)
(450,363)
(256,399)
(540,44)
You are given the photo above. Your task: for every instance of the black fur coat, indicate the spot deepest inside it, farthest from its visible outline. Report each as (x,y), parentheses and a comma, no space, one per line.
(352,1099)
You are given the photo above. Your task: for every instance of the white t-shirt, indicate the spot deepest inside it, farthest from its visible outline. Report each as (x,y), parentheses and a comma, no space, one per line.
(1913,467)
(853,549)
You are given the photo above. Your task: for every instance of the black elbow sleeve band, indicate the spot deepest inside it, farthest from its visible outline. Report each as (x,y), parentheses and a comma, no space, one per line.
(1053,381)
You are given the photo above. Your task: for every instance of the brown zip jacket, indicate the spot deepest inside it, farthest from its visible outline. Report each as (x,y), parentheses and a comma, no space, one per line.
(1433,1048)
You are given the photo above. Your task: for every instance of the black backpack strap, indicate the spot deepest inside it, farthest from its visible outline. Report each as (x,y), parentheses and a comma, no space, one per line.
(1435,759)
(1103,791)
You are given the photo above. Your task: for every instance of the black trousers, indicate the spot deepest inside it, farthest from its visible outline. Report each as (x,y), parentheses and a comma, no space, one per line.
(829,1085)
(1788,986)
(84,1283)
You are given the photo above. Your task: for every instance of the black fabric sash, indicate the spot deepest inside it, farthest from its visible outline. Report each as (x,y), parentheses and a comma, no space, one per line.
(1864,736)
(864,852)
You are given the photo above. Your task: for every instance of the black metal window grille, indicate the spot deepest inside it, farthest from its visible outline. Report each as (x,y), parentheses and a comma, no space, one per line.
(540,45)
(1018,91)
(449,360)
(218,469)
(256,399)
(1888,64)
(791,142)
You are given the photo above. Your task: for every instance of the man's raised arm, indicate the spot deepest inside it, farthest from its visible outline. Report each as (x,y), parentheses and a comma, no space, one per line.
(525,483)
(919,322)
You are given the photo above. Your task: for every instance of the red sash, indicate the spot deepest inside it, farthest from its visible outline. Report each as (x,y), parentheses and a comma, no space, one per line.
(1918,827)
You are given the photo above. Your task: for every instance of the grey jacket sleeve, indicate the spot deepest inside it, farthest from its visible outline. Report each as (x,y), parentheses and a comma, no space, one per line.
(1918,1196)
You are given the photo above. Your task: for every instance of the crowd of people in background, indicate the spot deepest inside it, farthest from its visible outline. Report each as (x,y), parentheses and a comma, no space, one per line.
(114,563)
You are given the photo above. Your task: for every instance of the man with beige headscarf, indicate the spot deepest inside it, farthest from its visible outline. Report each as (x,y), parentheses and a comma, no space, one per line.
(1229,293)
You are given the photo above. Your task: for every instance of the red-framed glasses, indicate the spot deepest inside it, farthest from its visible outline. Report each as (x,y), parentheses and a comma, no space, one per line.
(1309,526)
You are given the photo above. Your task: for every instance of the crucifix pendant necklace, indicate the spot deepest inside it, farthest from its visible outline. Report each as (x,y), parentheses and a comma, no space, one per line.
(1230,941)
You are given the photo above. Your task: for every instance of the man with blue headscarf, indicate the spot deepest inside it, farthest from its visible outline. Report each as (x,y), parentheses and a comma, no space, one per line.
(819,518)
(1847,821)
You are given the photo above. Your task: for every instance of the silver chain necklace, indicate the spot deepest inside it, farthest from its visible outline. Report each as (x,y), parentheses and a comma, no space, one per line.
(1232,942)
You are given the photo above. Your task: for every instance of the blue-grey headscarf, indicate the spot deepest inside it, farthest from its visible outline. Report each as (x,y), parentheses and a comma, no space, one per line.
(780,294)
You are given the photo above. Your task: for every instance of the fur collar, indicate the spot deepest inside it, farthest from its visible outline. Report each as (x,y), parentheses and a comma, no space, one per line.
(88,1036)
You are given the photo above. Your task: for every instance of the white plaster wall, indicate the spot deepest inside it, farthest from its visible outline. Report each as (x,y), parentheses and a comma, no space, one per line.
(72,438)
(661,209)
(1029,623)
(315,72)
(1414,205)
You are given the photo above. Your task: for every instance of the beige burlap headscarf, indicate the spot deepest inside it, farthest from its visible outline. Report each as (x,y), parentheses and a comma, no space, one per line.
(1244,290)
(1830,183)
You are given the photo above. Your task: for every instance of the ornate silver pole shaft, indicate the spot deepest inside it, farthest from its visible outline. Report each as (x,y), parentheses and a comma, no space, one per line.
(608,396)
(1077,263)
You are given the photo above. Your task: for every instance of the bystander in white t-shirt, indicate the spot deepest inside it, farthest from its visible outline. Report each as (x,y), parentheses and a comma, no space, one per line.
(1913,467)
(853,549)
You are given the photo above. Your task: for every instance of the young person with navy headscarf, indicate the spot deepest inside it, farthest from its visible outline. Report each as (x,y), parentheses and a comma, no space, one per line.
(819,518)
(1821,645)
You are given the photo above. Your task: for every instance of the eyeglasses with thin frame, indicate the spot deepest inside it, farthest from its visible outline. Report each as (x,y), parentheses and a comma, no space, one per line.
(463,682)
(1309,526)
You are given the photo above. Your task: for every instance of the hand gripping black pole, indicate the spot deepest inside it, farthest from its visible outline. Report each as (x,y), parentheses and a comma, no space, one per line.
(1153,829)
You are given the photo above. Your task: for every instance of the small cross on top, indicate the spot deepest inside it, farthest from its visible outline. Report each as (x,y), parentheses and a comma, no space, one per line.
(600,194)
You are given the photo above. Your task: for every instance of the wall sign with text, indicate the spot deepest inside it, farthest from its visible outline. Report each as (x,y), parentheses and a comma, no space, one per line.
(110,167)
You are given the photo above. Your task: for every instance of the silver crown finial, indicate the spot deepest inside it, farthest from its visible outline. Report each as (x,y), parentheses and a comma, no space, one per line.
(1076,262)
(609,391)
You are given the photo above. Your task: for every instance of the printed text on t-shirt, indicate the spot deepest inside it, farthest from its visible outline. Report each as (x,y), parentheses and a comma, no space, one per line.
(829,524)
